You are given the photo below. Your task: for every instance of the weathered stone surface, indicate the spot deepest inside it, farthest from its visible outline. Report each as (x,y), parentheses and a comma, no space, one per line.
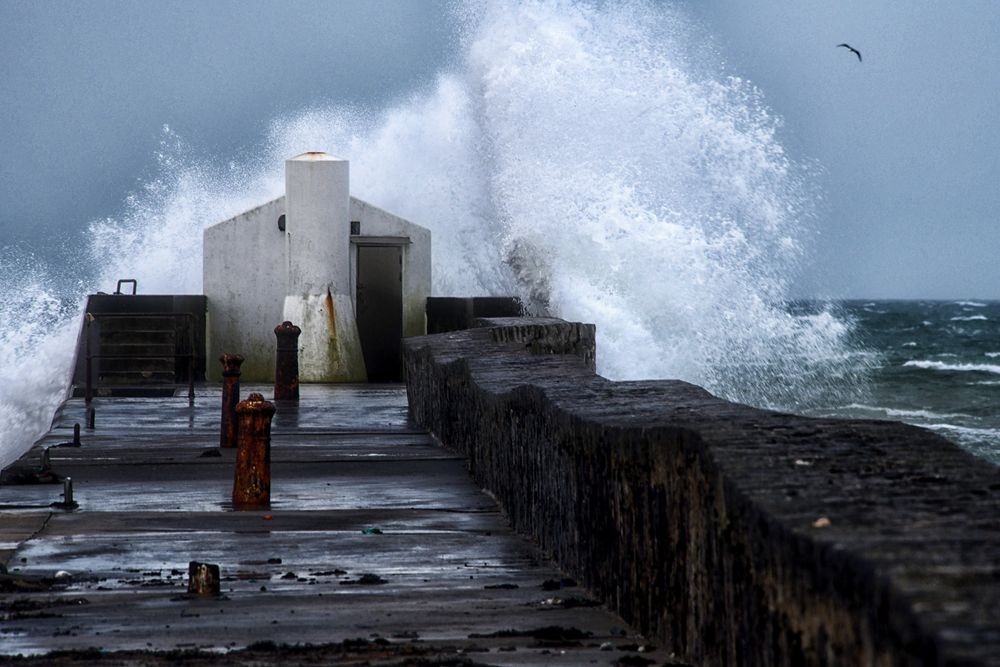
(734,535)
(453,313)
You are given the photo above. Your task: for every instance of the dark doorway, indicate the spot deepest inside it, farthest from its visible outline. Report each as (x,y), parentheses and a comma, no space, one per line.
(380,310)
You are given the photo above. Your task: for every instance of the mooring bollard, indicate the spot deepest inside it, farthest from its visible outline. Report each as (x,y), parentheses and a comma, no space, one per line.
(203,578)
(67,503)
(91,418)
(230,397)
(286,362)
(76,434)
(252,482)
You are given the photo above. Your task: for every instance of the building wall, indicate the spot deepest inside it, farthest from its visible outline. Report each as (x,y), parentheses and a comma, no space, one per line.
(248,263)
(318,293)
(245,264)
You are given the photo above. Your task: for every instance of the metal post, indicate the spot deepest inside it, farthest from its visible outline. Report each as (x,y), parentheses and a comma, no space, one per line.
(286,362)
(190,330)
(76,434)
(252,481)
(230,397)
(88,395)
(91,418)
(203,578)
(191,380)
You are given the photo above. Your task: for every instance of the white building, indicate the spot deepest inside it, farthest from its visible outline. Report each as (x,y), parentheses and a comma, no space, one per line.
(353,277)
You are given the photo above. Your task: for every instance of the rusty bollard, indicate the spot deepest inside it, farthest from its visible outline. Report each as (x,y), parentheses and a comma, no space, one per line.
(286,362)
(203,578)
(230,397)
(252,483)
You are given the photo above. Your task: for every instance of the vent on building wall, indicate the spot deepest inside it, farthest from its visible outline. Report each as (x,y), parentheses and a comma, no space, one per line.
(281,222)
(355,227)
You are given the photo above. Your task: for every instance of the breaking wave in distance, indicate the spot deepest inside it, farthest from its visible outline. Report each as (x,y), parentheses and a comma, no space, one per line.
(594,159)
(958,368)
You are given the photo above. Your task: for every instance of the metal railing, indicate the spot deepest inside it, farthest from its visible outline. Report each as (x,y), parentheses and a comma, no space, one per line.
(90,318)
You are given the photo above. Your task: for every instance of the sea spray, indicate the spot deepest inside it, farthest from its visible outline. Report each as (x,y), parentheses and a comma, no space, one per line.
(593,161)
(592,158)
(648,197)
(157,237)
(37,344)
(156,240)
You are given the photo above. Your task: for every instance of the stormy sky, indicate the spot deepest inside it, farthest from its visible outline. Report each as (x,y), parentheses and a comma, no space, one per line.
(906,142)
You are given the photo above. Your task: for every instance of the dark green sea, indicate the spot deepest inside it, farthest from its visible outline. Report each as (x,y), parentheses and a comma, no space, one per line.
(934,364)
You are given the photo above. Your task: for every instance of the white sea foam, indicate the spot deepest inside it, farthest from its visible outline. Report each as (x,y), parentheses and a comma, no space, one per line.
(594,159)
(971,304)
(970,318)
(984,434)
(993,355)
(904,415)
(942,366)
(37,343)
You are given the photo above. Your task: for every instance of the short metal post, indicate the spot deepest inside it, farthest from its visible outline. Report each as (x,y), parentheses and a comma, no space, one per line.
(68,492)
(91,418)
(203,578)
(88,394)
(286,362)
(230,397)
(76,434)
(252,481)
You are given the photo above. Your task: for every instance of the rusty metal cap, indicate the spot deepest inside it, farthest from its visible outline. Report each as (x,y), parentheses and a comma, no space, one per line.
(231,362)
(286,328)
(255,403)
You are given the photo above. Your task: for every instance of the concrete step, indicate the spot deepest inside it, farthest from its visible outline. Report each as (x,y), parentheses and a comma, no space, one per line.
(138,337)
(133,365)
(136,377)
(137,322)
(139,349)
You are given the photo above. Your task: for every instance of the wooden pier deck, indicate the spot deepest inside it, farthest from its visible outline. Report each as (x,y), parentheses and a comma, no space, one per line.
(378,548)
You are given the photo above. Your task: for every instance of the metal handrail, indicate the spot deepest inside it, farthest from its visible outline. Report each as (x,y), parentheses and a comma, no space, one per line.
(91,317)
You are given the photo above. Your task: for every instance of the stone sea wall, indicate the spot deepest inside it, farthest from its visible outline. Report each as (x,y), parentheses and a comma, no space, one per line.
(733,535)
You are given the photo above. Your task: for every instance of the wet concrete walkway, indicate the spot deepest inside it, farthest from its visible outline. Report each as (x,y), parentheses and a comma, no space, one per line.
(375,532)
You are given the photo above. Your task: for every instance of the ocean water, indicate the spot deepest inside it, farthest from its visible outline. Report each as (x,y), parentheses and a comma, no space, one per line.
(934,364)
(597,159)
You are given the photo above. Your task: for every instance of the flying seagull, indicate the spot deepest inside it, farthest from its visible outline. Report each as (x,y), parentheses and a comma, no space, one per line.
(852,50)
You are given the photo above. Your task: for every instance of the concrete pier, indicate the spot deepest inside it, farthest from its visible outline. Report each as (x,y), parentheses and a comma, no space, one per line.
(733,535)
(377,547)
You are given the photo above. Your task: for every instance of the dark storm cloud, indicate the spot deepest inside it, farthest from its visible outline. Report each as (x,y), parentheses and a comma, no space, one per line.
(907,139)
(87,87)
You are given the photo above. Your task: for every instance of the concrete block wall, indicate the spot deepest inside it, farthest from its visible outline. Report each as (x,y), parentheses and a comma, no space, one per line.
(245,264)
(734,536)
